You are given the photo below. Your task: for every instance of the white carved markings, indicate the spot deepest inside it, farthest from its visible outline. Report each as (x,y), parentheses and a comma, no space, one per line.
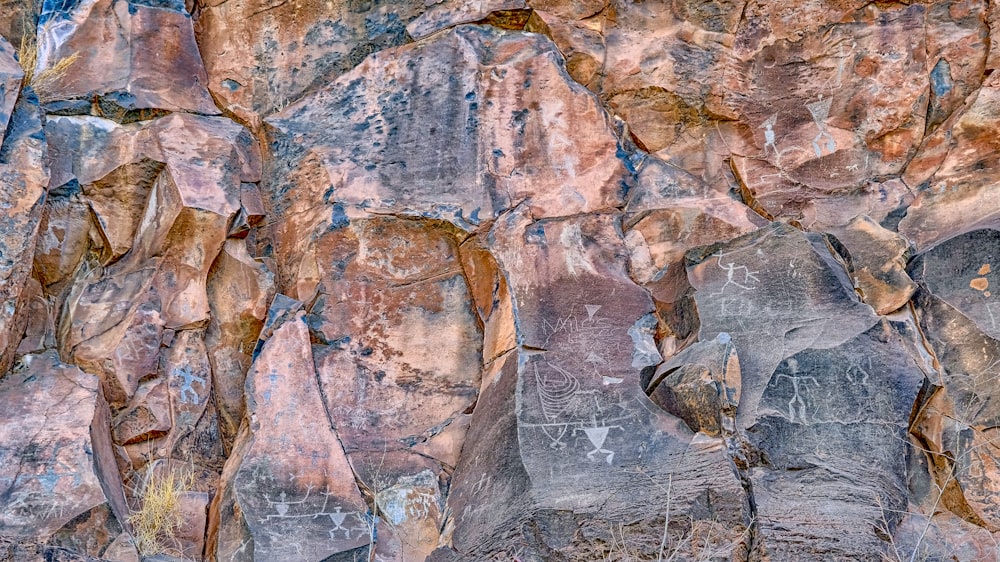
(189,378)
(820,111)
(343,525)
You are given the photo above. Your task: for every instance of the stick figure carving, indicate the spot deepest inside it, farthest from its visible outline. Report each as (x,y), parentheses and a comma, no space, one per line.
(820,110)
(189,379)
(797,404)
(769,139)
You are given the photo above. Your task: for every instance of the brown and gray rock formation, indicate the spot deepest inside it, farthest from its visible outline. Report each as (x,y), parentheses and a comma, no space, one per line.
(499,280)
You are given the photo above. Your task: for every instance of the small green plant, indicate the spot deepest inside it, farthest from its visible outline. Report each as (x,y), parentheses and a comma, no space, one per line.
(158,517)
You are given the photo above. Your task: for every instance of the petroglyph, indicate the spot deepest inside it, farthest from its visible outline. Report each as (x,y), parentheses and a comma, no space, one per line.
(820,111)
(739,276)
(189,379)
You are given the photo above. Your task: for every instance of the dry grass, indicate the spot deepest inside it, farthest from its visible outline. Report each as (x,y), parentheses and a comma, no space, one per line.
(43,82)
(158,517)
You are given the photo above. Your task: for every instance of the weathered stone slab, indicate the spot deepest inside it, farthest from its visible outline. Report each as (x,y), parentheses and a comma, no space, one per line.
(959,408)
(832,428)
(447,13)
(261,55)
(23,178)
(239,289)
(581,427)
(63,467)
(140,54)
(820,374)
(287,490)
(511,116)
(877,263)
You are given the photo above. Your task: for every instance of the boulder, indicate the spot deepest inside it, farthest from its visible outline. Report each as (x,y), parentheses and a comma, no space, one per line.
(136,54)
(820,375)
(60,478)
(23,178)
(563,424)
(260,56)
(287,490)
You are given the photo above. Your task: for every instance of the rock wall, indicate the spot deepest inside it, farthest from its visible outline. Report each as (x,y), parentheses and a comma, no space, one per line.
(530,280)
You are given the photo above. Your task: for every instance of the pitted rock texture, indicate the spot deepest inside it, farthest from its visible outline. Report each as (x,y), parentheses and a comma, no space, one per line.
(534,280)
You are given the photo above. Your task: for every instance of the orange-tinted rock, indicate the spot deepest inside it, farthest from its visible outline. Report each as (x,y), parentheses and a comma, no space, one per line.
(148,418)
(39,331)
(287,489)
(15,21)
(402,346)
(64,467)
(139,55)
(64,235)
(260,55)
(580,42)
(23,177)
(448,13)
(877,264)
(954,195)
(114,317)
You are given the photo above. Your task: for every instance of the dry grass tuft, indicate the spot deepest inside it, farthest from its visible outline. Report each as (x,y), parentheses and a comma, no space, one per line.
(43,82)
(158,518)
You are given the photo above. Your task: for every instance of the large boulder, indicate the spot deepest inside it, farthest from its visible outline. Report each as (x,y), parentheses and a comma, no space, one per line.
(60,478)
(139,55)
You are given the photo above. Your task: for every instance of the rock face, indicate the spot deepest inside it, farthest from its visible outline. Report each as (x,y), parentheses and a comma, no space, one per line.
(442,281)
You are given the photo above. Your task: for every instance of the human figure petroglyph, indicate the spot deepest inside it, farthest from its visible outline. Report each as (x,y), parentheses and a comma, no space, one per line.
(746,282)
(820,110)
(189,379)
(597,434)
(769,138)
(797,404)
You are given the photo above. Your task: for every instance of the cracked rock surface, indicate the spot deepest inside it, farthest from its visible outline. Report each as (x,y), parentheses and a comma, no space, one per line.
(533,280)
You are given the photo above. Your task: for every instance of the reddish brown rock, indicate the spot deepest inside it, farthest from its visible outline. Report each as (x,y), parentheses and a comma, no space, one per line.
(64,234)
(239,289)
(877,263)
(398,354)
(138,55)
(954,196)
(509,131)
(403,348)
(571,439)
(16,20)
(287,489)
(23,177)
(63,468)
(582,43)
(443,14)
(260,56)
(114,318)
